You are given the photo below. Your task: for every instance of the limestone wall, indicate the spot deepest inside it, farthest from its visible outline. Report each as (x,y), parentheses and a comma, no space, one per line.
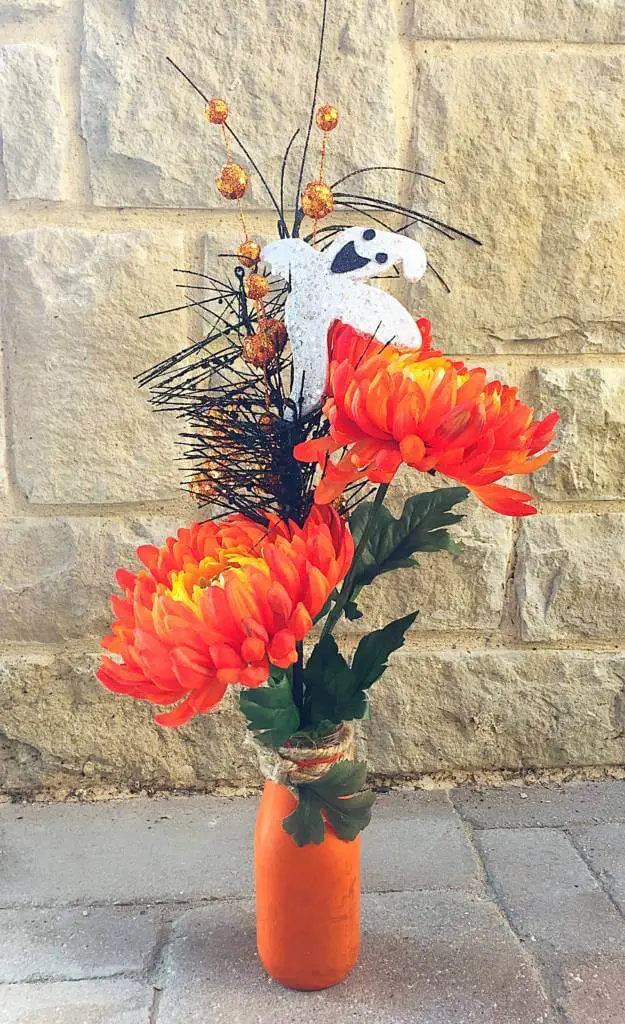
(106,174)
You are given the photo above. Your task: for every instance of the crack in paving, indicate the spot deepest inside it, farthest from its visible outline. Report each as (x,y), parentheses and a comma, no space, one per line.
(52,979)
(597,874)
(157,994)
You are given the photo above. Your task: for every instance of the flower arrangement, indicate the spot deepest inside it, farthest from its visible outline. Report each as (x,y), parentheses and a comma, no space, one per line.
(230,601)
(302,400)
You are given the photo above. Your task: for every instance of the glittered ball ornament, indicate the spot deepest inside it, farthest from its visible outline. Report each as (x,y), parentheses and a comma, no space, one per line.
(256,286)
(201,487)
(317,200)
(217,111)
(276,331)
(249,253)
(258,350)
(232,182)
(327,118)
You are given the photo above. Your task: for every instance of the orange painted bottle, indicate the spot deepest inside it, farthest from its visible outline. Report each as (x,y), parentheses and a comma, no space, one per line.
(307,899)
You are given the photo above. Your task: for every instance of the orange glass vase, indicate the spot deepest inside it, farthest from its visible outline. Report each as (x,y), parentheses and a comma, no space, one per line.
(307,899)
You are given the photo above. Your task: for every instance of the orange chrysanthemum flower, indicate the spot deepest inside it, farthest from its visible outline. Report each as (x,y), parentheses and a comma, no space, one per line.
(220,603)
(389,405)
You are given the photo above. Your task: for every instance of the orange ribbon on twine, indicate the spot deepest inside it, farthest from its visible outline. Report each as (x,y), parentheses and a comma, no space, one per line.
(312,761)
(308,764)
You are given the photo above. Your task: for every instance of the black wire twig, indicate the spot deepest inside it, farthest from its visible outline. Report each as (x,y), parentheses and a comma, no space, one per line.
(299,213)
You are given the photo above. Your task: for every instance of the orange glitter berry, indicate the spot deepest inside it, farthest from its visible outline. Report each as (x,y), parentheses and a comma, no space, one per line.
(258,350)
(249,253)
(317,200)
(327,118)
(202,486)
(232,182)
(217,111)
(276,330)
(256,286)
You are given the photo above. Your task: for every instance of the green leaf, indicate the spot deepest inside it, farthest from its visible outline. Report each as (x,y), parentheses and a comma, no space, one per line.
(322,728)
(369,662)
(305,823)
(392,542)
(335,692)
(328,685)
(352,611)
(340,796)
(374,650)
(270,711)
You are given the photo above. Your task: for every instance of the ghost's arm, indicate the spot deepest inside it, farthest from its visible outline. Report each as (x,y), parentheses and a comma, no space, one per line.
(287,257)
(375,312)
(309,316)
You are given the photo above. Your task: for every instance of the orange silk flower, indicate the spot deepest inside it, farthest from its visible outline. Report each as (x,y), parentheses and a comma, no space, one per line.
(389,405)
(220,603)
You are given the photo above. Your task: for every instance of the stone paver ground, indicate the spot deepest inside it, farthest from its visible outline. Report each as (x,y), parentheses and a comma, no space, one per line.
(497,906)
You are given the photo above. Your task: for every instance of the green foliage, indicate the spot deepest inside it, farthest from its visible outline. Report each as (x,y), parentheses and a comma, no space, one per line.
(392,542)
(340,796)
(351,609)
(328,685)
(270,710)
(336,692)
(374,650)
(313,732)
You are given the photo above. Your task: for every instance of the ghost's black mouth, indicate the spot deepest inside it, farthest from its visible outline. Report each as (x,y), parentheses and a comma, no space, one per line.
(347,259)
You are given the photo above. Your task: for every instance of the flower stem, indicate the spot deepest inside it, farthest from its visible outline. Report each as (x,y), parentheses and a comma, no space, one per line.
(348,585)
(298,677)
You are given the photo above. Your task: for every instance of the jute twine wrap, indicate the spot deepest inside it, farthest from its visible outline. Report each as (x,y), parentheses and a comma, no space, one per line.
(298,764)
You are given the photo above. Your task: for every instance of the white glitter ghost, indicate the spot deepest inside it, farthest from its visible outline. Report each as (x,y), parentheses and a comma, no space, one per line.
(327,286)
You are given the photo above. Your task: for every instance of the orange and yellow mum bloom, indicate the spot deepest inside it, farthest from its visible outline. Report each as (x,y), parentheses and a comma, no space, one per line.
(218,604)
(389,405)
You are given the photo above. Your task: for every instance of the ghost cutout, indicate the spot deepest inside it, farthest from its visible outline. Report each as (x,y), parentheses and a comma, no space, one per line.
(328,286)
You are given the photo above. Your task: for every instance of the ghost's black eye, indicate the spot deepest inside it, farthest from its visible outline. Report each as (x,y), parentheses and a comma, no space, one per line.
(368,234)
(381,257)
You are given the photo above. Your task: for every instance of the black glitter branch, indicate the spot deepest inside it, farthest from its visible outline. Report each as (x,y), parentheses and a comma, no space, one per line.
(299,213)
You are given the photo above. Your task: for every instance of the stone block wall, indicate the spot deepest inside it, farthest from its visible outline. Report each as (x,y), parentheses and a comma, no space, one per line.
(106,170)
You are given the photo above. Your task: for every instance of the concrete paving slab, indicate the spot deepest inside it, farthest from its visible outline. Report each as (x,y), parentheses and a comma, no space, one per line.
(548,893)
(114,1001)
(90,942)
(568,805)
(604,849)
(436,948)
(190,848)
(427,958)
(416,841)
(126,851)
(593,992)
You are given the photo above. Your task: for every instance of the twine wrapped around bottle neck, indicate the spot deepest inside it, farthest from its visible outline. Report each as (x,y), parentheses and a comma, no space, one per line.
(309,763)
(299,763)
